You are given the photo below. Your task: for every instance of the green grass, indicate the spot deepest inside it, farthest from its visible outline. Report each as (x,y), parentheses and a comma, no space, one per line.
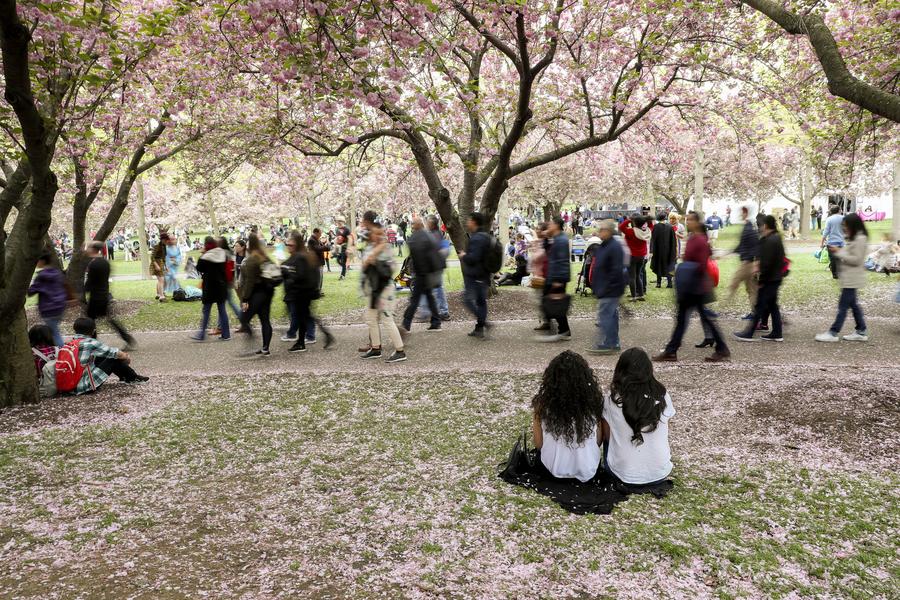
(369,493)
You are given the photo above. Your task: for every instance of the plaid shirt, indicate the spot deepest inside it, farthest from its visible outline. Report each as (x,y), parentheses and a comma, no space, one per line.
(90,349)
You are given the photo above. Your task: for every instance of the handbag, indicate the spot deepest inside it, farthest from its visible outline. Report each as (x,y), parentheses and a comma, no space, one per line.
(520,459)
(556,305)
(537,282)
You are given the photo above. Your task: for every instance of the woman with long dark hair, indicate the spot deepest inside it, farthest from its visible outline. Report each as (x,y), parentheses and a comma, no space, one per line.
(636,422)
(256,293)
(852,276)
(566,422)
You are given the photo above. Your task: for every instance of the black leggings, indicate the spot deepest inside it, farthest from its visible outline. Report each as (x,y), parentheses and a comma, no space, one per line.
(260,305)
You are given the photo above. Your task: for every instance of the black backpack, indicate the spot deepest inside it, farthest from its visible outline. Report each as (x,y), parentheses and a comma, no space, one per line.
(493,256)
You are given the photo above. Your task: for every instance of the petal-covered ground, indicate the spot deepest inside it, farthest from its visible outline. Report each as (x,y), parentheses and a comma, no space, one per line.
(384,486)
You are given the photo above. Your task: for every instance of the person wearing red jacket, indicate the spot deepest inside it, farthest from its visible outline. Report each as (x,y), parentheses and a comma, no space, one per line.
(693,286)
(637,233)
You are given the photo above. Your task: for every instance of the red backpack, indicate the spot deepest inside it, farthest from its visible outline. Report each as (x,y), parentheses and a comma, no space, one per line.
(68,367)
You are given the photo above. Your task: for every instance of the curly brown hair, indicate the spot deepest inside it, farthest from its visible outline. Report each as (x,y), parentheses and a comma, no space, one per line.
(569,402)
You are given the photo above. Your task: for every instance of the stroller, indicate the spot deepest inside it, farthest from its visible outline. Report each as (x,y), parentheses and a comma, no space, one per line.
(583,286)
(404,278)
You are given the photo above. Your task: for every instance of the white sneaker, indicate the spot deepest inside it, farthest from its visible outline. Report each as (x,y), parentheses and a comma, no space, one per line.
(287,338)
(827,337)
(857,337)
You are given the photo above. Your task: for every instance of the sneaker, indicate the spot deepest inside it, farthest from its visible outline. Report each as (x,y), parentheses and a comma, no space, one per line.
(857,337)
(397,356)
(744,337)
(262,352)
(289,338)
(434,328)
(771,338)
(827,337)
(565,336)
(718,357)
(310,341)
(197,338)
(706,343)
(445,317)
(603,351)
(641,299)
(138,379)
(225,339)
(747,317)
(548,338)
(297,347)
(372,353)
(666,357)
(543,327)
(478,332)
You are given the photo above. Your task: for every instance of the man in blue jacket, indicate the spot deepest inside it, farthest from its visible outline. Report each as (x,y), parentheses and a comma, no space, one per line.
(608,283)
(475,276)
(558,274)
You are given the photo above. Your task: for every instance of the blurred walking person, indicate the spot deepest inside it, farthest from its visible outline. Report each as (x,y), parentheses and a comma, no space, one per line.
(96,291)
(558,275)
(833,238)
(426,269)
(475,275)
(747,250)
(211,267)
(694,286)
(771,274)
(50,286)
(256,289)
(378,271)
(608,283)
(852,275)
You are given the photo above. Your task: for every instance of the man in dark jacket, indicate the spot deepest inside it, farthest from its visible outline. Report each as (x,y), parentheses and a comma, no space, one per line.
(558,275)
(771,274)
(608,284)
(96,291)
(662,249)
(475,276)
(426,266)
(747,250)
(211,267)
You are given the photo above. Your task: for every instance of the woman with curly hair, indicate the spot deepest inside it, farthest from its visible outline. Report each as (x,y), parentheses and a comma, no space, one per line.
(636,422)
(566,424)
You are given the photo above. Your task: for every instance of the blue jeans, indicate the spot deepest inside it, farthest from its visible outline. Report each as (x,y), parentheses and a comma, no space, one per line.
(607,324)
(235,308)
(52,321)
(440,297)
(848,302)
(223,319)
(475,299)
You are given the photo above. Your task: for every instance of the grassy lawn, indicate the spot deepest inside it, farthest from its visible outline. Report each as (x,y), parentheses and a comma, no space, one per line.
(343,486)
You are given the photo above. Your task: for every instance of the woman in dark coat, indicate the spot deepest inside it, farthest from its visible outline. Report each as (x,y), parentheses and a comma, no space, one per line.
(663,251)
(215,287)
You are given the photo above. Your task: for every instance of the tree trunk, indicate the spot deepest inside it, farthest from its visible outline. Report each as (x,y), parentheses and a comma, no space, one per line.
(806,195)
(17,380)
(213,222)
(143,246)
(698,183)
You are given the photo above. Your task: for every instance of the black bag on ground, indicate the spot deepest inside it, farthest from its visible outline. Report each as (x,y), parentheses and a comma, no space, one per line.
(179,295)
(556,306)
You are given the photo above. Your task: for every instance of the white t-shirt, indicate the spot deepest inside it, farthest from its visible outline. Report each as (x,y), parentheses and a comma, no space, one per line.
(638,464)
(564,460)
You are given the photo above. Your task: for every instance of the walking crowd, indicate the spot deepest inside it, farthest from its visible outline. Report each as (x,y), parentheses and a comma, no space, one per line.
(242,276)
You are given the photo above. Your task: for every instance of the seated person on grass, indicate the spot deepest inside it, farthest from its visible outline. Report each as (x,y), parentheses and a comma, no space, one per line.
(42,346)
(98,360)
(566,423)
(516,277)
(636,417)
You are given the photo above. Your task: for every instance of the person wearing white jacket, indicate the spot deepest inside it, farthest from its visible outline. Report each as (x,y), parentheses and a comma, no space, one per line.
(852,276)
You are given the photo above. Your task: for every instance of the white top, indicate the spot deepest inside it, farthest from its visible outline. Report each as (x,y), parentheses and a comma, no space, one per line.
(638,464)
(564,460)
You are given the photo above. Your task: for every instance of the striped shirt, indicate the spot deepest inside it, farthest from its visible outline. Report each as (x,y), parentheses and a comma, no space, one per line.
(90,349)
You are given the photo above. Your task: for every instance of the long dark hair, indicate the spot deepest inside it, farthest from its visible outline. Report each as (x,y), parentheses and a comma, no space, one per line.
(855,225)
(638,393)
(569,402)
